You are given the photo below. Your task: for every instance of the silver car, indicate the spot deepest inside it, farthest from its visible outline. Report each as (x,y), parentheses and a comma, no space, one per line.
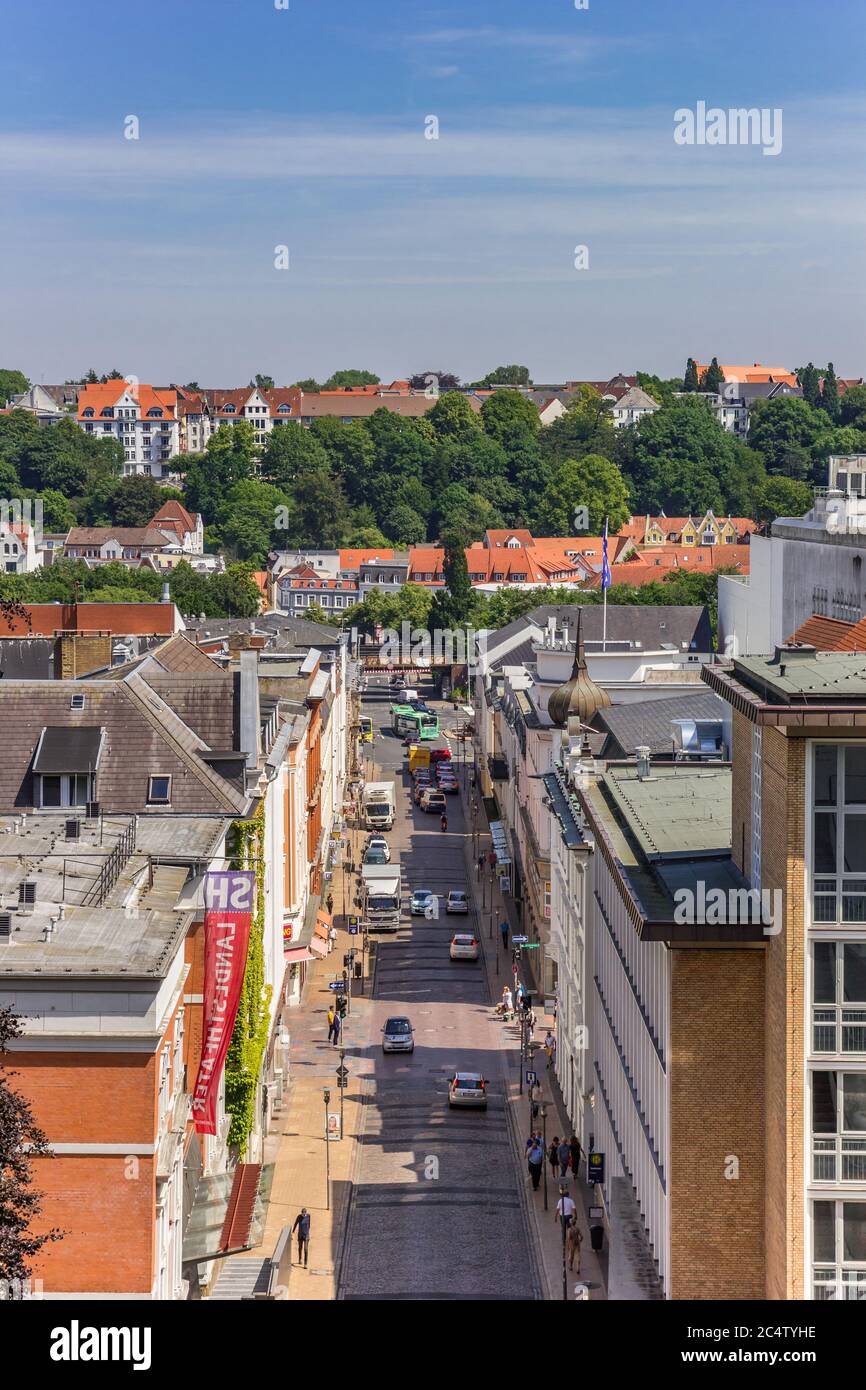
(456,901)
(467,1088)
(397,1036)
(463,947)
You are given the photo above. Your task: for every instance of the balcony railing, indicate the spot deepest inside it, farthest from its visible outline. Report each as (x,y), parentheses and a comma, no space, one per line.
(838,1284)
(498,768)
(839,1158)
(838,1028)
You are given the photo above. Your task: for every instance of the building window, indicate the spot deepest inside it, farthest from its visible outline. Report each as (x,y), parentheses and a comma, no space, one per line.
(839,996)
(838,1126)
(838,1250)
(64,789)
(839,834)
(159,790)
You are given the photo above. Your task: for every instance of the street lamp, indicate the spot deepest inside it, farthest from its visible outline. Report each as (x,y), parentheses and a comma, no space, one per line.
(543,1110)
(327,1096)
(563,1193)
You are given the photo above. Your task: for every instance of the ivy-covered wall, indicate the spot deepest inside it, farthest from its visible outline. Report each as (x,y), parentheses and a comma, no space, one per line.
(250,1036)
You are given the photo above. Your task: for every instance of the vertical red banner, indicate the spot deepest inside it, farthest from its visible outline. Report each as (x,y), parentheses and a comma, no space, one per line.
(228,897)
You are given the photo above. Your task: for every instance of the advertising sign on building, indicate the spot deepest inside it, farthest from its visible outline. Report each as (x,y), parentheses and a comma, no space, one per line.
(228,898)
(595,1168)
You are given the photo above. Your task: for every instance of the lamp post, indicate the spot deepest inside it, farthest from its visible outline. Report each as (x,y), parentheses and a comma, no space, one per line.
(543,1112)
(327,1096)
(342,1088)
(563,1193)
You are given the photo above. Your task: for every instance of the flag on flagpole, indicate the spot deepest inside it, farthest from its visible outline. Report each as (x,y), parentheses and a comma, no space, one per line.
(605,563)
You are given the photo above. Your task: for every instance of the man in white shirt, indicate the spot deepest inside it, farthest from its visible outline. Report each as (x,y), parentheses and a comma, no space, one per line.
(565,1208)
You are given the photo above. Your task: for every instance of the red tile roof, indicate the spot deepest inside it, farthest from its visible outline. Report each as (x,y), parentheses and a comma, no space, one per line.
(120,619)
(104,395)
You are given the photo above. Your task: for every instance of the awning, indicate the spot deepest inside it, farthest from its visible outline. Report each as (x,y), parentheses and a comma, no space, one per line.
(296,954)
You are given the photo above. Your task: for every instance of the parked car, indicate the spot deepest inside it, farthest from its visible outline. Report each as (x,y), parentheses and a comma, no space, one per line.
(379,843)
(440,755)
(422,774)
(422,899)
(432,801)
(448,786)
(457,901)
(467,1088)
(463,947)
(376,856)
(444,771)
(421,790)
(398,1036)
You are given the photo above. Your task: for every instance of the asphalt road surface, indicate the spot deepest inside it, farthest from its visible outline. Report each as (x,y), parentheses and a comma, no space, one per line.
(436,1211)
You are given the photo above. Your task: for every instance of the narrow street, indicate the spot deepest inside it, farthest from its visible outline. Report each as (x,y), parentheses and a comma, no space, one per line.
(438,1209)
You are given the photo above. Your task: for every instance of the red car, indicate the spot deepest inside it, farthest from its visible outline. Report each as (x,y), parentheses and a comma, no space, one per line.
(440,755)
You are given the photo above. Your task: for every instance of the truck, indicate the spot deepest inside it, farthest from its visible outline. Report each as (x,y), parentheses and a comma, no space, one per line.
(381,892)
(378,804)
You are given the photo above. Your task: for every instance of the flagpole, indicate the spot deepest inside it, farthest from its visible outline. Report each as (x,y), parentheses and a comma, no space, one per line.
(604,592)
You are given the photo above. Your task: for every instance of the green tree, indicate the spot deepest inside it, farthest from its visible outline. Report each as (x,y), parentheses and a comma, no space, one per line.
(263,383)
(403,525)
(810,383)
(290,452)
(506,376)
(12,383)
(783,497)
(351,455)
(440,382)
(592,482)
(714,378)
(453,606)
(661,389)
(452,417)
(511,419)
(57,512)
(783,431)
(677,460)
(309,384)
(248,519)
(136,500)
(350,377)
(852,408)
(228,459)
(690,380)
(321,512)
(585,428)
(21,1142)
(830,393)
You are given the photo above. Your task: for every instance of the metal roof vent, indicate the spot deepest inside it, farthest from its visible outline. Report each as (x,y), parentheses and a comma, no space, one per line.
(643,762)
(26,894)
(73,828)
(5,926)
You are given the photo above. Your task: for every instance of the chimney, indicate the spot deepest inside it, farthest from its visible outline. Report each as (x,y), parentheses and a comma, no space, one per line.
(166,594)
(643,762)
(250,714)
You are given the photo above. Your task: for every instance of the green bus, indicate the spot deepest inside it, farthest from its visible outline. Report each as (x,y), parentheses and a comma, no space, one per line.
(421,724)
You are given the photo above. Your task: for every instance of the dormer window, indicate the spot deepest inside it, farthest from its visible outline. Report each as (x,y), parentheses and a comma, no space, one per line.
(64,768)
(285,410)
(229,409)
(108,411)
(154,413)
(88,412)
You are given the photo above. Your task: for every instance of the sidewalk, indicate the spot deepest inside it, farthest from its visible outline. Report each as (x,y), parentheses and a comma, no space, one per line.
(547,1231)
(298,1150)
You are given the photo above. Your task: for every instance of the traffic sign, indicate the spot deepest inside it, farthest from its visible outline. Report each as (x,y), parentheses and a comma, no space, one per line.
(532,946)
(337,985)
(341,1083)
(532,1078)
(520,940)
(352,928)
(342,1072)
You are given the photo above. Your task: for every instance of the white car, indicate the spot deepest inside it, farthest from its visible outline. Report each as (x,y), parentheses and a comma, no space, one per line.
(467,1088)
(463,947)
(456,901)
(379,843)
(397,1036)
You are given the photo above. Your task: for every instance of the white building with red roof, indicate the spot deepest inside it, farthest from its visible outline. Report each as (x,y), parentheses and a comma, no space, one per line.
(143,419)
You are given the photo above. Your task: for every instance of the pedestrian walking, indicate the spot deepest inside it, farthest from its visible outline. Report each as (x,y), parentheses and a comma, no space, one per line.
(503,927)
(332,937)
(329,903)
(565,1210)
(332,1016)
(302,1226)
(535,1159)
(337,1026)
(550,1047)
(573,1241)
(553,1157)
(564,1155)
(574,1145)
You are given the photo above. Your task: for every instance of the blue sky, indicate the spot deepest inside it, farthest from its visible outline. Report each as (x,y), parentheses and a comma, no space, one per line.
(304,127)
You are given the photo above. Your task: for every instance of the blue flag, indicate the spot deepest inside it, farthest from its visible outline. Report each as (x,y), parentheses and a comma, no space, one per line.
(605,563)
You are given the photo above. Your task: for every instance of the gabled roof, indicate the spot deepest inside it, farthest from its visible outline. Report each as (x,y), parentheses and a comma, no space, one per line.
(831,634)
(635,398)
(106,394)
(124,535)
(174,511)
